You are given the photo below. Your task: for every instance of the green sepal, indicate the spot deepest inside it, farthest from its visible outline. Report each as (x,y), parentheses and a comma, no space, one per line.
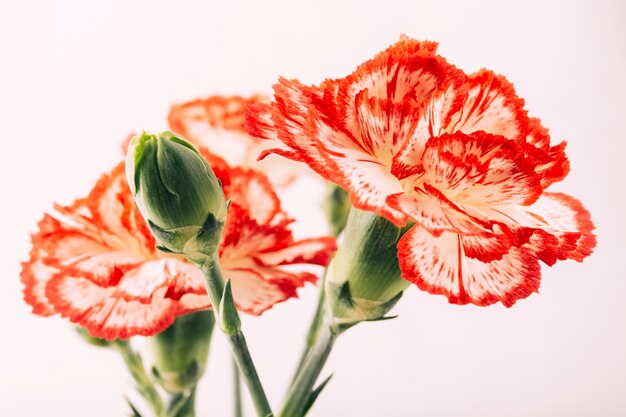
(182,404)
(229,317)
(133,409)
(386,318)
(184,379)
(164,249)
(314,394)
(348,310)
(194,242)
(176,403)
(173,240)
(208,238)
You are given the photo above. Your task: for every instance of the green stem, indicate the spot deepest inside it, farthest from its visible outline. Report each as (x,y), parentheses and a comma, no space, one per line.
(314,327)
(145,385)
(183,404)
(215,287)
(301,389)
(238,408)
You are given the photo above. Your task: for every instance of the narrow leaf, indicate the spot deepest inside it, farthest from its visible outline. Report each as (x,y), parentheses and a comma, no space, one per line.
(315,393)
(229,317)
(133,409)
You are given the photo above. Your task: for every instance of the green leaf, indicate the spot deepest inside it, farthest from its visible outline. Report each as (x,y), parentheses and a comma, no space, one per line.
(314,394)
(229,317)
(384,318)
(133,409)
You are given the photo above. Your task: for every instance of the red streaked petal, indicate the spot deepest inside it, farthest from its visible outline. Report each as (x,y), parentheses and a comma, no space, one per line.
(439,265)
(252,191)
(367,180)
(537,135)
(488,247)
(215,111)
(243,236)
(108,200)
(281,150)
(105,316)
(491,106)
(316,251)
(142,282)
(253,293)
(434,115)
(290,115)
(408,68)
(258,121)
(35,276)
(556,214)
(369,184)
(551,162)
(77,254)
(186,279)
(480,169)
(217,124)
(432,210)
(384,125)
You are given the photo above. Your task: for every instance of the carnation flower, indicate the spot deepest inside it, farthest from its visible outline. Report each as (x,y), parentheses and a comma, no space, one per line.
(95,263)
(217,124)
(414,139)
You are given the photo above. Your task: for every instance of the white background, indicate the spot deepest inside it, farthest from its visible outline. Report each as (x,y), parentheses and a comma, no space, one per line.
(75,78)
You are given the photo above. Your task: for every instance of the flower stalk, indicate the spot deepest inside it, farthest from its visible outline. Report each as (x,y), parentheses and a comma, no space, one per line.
(362,283)
(145,385)
(237,403)
(302,393)
(228,318)
(184,205)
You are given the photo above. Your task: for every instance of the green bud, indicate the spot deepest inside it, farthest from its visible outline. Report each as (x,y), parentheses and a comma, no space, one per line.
(177,193)
(364,280)
(336,206)
(179,354)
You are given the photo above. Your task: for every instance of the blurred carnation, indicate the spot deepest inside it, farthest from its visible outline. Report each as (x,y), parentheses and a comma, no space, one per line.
(95,263)
(217,124)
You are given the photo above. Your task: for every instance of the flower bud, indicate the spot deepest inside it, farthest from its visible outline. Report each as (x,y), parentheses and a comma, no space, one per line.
(364,280)
(177,193)
(179,354)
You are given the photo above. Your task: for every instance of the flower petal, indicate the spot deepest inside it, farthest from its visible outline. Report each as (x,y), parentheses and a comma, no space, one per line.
(551,163)
(367,180)
(441,265)
(252,191)
(408,68)
(432,210)
(384,125)
(216,111)
(480,169)
(556,214)
(216,123)
(35,276)
(491,106)
(317,251)
(106,316)
(254,294)
(433,116)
